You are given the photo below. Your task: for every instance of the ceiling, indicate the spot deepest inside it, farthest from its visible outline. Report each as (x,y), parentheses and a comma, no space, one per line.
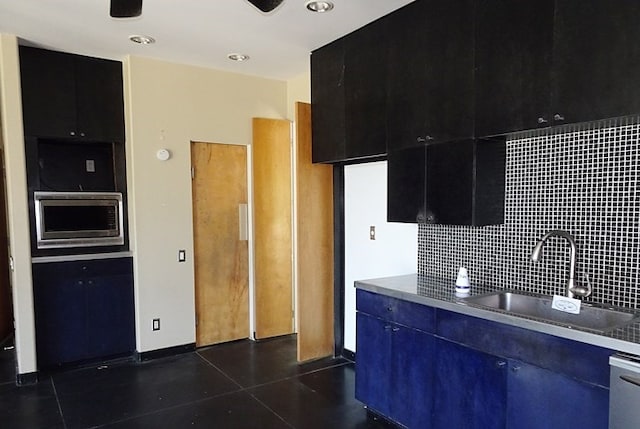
(197,32)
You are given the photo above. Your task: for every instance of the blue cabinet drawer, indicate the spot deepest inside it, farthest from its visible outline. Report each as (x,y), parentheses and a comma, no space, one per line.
(395,310)
(581,361)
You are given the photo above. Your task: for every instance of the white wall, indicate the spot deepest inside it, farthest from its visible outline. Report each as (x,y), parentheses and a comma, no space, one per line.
(393,252)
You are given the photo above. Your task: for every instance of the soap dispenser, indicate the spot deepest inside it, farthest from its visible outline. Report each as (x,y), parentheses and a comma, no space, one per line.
(462,282)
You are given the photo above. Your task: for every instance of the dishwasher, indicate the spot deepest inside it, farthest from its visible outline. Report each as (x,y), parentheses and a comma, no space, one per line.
(624,396)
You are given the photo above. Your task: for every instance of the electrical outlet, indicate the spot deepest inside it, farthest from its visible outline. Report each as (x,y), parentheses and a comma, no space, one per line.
(182,255)
(156,324)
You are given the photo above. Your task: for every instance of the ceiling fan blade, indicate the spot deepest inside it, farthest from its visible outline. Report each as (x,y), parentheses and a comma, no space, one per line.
(126,8)
(266,5)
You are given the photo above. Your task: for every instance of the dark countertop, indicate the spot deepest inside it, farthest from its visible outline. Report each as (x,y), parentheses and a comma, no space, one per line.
(440,293)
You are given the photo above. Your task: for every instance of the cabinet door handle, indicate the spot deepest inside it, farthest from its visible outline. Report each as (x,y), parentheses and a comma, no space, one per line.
(81,134)
(395,329)
(424,139)
(633,380)
(501,364)
(387,327)
(389,308)
(72,133)
(542,120)
(558,117)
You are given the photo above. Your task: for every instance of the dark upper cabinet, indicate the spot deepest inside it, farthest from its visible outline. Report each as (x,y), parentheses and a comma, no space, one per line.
(366,94)
(328,103)
(71,96)
(596,59)
(513,65)
(100,98)
(544,63)
(455,183)
(430,73)
(349,96)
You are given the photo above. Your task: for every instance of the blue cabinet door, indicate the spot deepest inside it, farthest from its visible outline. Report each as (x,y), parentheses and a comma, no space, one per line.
(394,370)
(373,362)
(411,393)
(471,388)
(542,399)
(60,309)
(111,320)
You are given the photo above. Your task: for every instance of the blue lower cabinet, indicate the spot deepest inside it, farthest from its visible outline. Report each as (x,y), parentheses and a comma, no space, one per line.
(471,388)
(84,310)
(373,363)
(394,370)
(473,373)
(542,399)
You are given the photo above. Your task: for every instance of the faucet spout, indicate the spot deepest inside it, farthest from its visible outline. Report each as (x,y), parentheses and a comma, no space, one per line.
(536,254)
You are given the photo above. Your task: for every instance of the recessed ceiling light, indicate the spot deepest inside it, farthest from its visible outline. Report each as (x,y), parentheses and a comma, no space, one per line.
(319,6)
(238,57)
(143,40)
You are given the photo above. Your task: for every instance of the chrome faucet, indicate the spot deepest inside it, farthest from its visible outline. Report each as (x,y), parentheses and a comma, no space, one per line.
(572,289)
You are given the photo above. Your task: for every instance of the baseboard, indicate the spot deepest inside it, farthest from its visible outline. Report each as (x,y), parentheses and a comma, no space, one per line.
(26,379)
(161,353)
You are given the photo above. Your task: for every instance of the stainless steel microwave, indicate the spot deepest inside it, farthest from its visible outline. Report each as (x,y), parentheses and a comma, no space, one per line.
(78,219)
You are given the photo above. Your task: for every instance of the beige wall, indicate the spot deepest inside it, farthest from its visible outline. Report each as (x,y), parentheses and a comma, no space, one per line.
(298,89)
(168,106)
(18,219)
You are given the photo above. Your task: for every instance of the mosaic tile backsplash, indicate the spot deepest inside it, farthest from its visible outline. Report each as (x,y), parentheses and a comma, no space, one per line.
(583,179)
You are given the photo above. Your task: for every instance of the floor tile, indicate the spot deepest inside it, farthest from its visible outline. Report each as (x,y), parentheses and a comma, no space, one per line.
(251,363)
(323,399)
(235,410)
(29,406)
(91,397)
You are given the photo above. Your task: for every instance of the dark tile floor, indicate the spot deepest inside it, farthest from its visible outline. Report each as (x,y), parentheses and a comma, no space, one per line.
(242,384)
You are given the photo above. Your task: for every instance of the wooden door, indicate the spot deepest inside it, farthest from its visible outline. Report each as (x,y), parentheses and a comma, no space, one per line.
(314,252)
(273,227)
(221,250)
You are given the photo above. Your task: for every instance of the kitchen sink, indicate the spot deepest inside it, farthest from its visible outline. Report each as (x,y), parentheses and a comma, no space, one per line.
(592,317)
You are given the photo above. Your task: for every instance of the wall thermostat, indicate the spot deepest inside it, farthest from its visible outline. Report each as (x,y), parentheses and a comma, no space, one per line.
(163,154)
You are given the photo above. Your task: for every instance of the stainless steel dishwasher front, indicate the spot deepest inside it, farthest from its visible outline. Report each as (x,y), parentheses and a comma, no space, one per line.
(624,396)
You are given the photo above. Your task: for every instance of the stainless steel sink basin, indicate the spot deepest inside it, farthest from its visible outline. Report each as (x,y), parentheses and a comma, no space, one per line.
(591,317)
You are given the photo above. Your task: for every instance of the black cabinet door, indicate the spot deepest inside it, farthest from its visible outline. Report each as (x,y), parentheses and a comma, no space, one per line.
(328,103)
(449,191)
(48,93)
(513,65)
(366,95)
(406,186)
(596,59)
(67,95)
(100,99)
(430,73)
(431,184)
(454,183)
